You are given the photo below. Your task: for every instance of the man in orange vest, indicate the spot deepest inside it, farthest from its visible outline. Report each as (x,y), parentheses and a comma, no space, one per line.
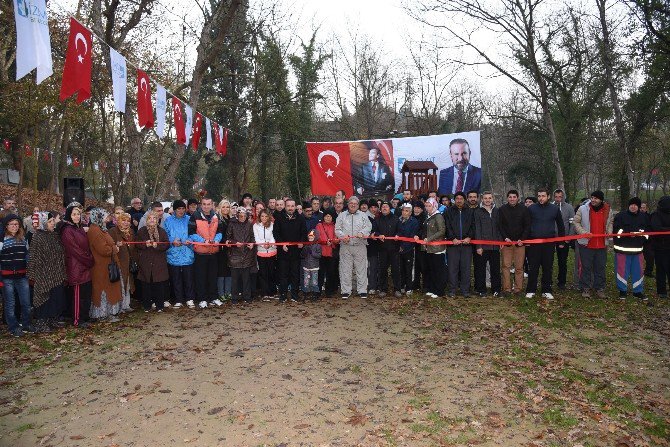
(205,228)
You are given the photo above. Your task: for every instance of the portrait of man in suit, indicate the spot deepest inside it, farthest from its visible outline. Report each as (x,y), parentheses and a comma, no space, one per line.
(462,176)
(375,176)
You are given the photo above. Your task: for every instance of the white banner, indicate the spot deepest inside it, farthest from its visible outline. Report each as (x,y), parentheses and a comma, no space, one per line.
(189,124)
(119,79)
(161,104)
(208,126)
(33,44)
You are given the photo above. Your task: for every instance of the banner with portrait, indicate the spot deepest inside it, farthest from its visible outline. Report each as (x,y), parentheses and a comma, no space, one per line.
(373,167)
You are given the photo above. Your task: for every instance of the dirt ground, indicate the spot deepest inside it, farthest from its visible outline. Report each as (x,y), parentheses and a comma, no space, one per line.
(388,372)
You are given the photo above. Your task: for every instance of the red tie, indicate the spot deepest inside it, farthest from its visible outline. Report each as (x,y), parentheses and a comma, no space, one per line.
(374,168)
(459,182)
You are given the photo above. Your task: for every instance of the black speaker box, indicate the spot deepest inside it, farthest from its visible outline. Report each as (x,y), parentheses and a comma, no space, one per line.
(73,190)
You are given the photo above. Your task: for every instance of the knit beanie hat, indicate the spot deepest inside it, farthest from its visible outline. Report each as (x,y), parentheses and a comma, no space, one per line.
(635,201)
(598,195)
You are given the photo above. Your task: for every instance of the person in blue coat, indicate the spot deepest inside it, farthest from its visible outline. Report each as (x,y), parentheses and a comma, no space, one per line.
(180,255)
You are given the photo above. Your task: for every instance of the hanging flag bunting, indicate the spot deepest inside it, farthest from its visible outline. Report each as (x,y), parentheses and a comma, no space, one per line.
(33,44)
(145,111)
(76,162)
(119,79)
(7,144)
(221,140)
(78,63)
(208,128)
(197,129)
(29,151)
(161,103)
(102,165)
(69,160)
(47,155)
(127,168)
(178,121)
(189,123)
(96,166)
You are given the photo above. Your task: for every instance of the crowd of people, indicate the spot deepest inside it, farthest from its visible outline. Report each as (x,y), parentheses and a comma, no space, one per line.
(85,265)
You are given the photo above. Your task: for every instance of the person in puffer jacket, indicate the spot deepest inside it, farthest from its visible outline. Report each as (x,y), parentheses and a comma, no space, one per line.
(628,258)
(205,228)
(242,257)
(660,221)
(180,255)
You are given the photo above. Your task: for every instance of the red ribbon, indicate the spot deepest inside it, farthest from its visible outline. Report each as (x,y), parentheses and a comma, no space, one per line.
(440,242)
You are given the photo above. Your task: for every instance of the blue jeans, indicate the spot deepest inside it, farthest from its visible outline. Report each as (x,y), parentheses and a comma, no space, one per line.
(310,281)
(22,290)
(224,284)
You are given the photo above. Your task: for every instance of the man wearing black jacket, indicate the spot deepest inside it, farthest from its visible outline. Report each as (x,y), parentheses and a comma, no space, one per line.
(460,225)
(289,226)
(514,227)
(385,225)
(545,219)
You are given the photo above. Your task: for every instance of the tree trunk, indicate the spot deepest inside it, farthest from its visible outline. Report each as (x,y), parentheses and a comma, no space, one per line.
(628,180)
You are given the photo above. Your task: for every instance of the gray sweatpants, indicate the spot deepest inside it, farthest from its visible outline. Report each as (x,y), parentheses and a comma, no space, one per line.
(353,257)
(593,268)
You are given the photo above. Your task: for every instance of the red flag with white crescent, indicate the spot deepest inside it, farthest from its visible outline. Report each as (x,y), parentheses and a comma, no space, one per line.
(220,139)
(8,145)
(76,162)
(178,118)
(197,129)
(145,110)
(29,151)
(78,63)
(330,168)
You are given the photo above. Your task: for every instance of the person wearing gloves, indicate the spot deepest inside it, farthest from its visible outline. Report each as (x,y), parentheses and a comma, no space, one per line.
(266,252)
(595,217)
(180,256)
(311,254)
(46,269)
(352,227)
(628,257)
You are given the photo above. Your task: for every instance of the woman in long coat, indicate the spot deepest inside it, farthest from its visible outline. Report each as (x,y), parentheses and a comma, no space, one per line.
(46,268)
(121,234)
(152,259)
(106,296)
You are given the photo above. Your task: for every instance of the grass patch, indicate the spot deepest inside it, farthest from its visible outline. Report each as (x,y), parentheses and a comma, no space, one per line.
(558,417)
(655,425)
(420,401)
(24,427)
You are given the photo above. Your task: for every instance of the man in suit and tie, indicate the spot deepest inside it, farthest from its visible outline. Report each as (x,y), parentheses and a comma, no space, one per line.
(375,175)
(462,176)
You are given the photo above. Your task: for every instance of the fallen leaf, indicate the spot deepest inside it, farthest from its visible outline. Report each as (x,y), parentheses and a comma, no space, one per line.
(214,411)
(302,426)
(77,437)
(160,412)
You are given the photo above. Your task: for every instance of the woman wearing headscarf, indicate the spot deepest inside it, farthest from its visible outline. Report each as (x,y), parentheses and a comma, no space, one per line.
(433,229)
(106,297)
(78,265)
(46,269)
(122,233)
(152,260)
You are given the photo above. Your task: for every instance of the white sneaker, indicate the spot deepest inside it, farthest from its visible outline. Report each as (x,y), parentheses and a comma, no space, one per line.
(153,306)
(202,304)
(548,296)
(216,302)
(166,305)
(408,293)
(530,295)
(190,304)
(177,305)
(372,292)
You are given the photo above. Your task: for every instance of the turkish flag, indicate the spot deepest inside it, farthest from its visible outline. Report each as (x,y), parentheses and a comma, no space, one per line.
(197,129)
(145,111)
(220,139)
(330,168)
(8,145)
(76,162)
(29,152)
(178,118)
(78,63)
(46,156)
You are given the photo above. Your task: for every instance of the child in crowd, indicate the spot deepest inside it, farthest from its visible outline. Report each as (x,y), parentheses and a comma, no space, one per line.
(311,254)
